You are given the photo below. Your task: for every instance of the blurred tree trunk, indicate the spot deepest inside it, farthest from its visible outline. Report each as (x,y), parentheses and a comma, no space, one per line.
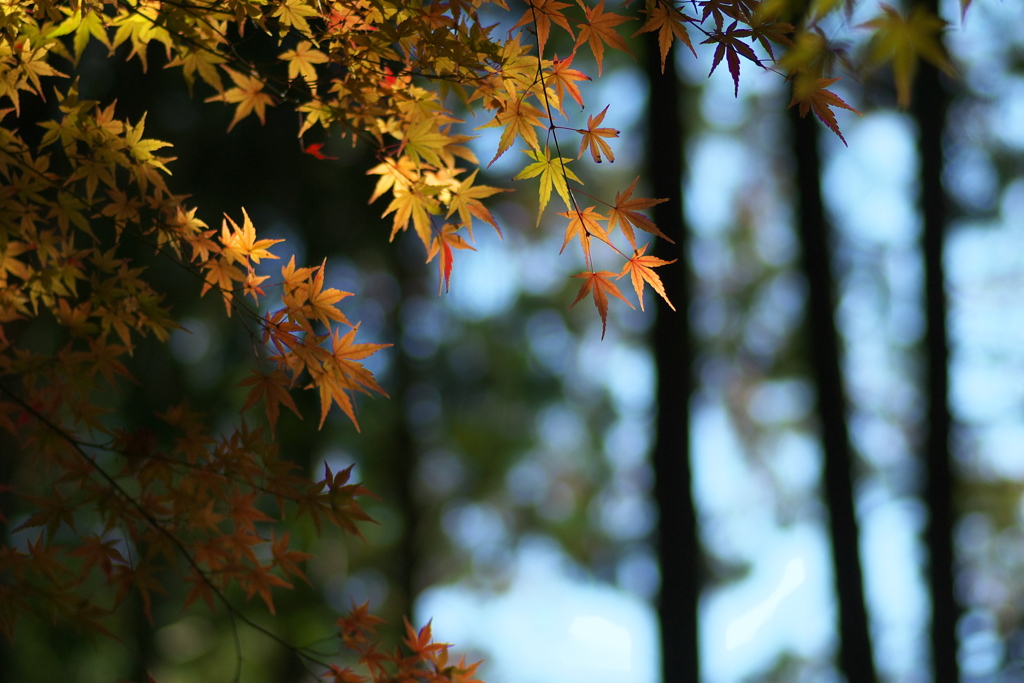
(856,660)
(679,552)
(930,103)
(401,452)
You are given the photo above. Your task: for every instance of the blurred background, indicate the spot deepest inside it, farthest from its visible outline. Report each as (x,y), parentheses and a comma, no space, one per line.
(569,508)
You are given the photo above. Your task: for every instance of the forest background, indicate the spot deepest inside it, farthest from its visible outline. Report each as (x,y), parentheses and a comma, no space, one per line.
(513,431)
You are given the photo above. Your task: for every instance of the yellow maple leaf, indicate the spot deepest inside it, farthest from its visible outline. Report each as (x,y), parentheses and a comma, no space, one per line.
(302,62)
(240,243)
(903,40)
(247,94)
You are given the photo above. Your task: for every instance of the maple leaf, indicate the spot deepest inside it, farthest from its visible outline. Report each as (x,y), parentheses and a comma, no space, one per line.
(811,94)
(519,119)
(400,174)
(442,245)
(421,642)
(260,582)
(240,243)
(583,225)
(423,140)
(541,13)
(626,214)
(599,31)
(273,389)
(593,138)
(564,79)
(601,285)
(316,149)
(302,62)
(286,559)
(670,24)
(203,62)
(732,48)
(348,375)
(222,275)
(766,30)
(904,40)
(412,204)
(553,173)
(247,94)
(293,13)
(320,302)
(466,201)
(639,268)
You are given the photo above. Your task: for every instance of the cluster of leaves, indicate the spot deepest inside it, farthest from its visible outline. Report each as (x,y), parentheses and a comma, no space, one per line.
(116,507)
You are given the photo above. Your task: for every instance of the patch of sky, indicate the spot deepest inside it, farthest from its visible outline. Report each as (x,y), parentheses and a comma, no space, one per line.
(795,460)
(528,481)
(1007,120)
(785,604)
(904,273)
(868,186)
(426,324)
(878,440)
(366,585)
(893,558)
(625,92)
(550,343)
(623,514)
(981,647)
(970,177)
(1000,446)
(720,472)
(561,431)
(629,377)
(474,526)
(440,473)
(637,572)
(780,401)
(593,358)
(774,238)
(981,390)
(626,443)
(577,632)
(486,282)
(712,194)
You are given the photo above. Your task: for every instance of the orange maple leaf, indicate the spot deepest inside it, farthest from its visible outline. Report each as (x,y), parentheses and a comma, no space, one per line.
(273,389)
(670,24)
(564,79)
(640,271)
(811,94)
(321,302)
(541,13)
(583,225)
(443,244)
(626,214)
(240,242)
(601,285)
(593,137)
(599,31)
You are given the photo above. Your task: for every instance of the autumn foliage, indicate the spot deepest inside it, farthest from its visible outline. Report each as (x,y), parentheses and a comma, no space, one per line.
(111,509)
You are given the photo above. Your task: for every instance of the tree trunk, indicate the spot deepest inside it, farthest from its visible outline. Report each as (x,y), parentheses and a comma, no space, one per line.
(679,552)
(856,660)
(931,101)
